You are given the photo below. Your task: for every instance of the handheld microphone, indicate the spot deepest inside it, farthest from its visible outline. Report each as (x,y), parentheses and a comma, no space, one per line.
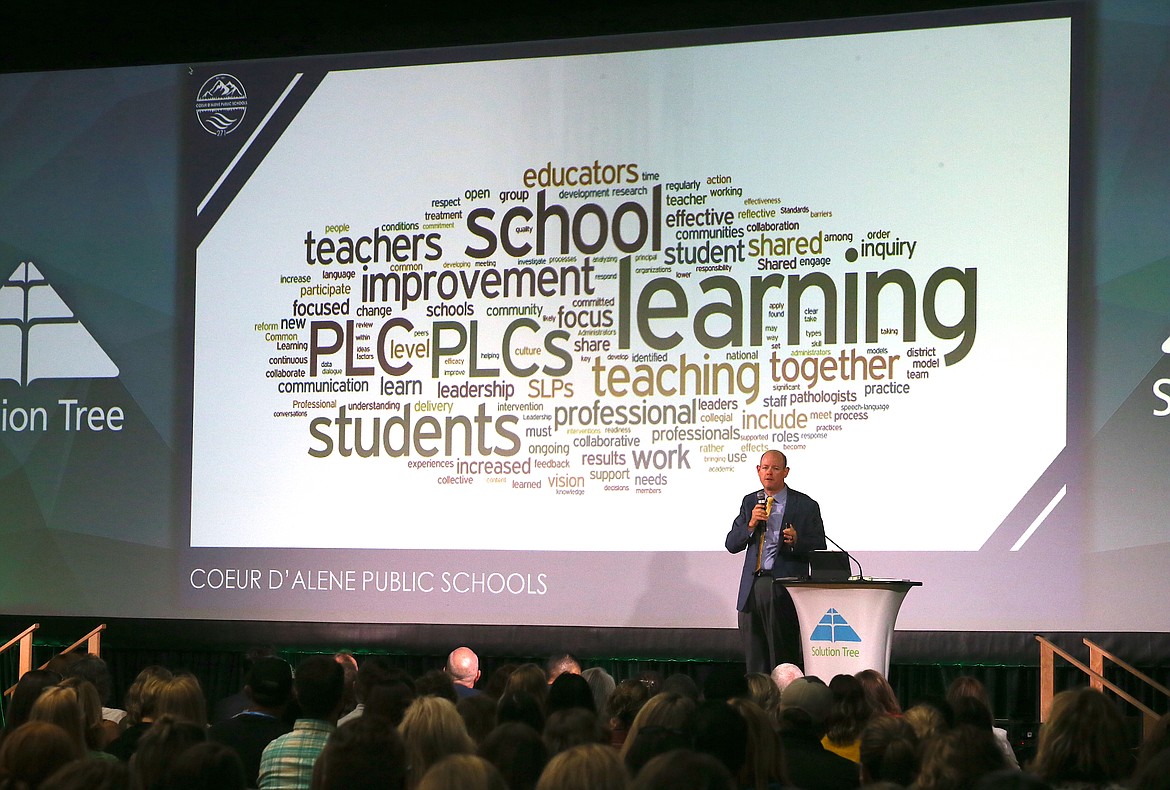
(860,573)
(761,498)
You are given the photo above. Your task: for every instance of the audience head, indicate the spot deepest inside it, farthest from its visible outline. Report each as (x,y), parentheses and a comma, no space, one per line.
(91,710)
(783,674)
(94,669)
(479,715)
(463,666)
(929,718)
(561,664)
(722,732)
(362,754)
(762,691)
(463,772)
(601,685)
(27,690)
(571,727)
(667,712)
(764,759)
(206,766)
(805,706)
(269,684)
(879,694)
(90,775)
(142,696)
(569,691)
(958,758)
(432,729)
(349,667)
(682,684)
(850,711)
(181,697)
(1157,742)
(34,751)
(520,706)
(530,678)
(389,700)
(889,751)
(627,699)
(965,687)
(498,680)
(1083,740)
(518,752)
(724,683)
(160,747)
(435,683)
(590,766)
(683,769)
(319,684)
(59,705)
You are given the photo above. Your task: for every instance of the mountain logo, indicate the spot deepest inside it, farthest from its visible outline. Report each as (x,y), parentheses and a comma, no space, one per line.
(833,628)
(221,104)
(41,338)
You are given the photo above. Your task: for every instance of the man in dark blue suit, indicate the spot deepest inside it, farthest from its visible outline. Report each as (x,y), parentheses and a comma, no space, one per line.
(778,527)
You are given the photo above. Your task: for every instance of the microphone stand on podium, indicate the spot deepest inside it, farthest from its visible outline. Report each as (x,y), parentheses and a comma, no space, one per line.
(846,622)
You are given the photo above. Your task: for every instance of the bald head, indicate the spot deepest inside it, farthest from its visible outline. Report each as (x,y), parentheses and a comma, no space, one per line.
(463,666)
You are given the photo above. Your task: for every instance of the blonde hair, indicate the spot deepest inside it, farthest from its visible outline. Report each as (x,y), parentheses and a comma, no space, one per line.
(143,693)
(59,705)
(432,729)
(463,772)
(91,710)
(182,698)
(590,766)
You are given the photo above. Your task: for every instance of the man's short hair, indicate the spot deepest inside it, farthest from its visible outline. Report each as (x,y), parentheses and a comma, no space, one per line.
(562,663)
(320,684)
(270,682)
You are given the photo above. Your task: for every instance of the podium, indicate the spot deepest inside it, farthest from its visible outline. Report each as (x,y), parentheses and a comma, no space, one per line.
(847,626)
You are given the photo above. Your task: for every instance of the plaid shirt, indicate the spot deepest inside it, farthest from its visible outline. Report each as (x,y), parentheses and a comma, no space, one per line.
(287,763)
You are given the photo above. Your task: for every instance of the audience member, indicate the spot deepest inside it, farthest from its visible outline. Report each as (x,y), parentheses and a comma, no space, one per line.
(463,669)
(287,762)
(1083,742)
(591,766)
(159,747)
(95,670)
(231,705)
(33,752)
(530,678)
(141,709)
(682,684)
(25,693)
(722,732)
(479,716)
(520,706)
(958,758)
(1155,743)
(363,754)
(1152,774)
(627,699)
(804,708)
(962,690)
(725,682)
(390,700)
(59,705)
(684,769)
(181,697)
(571,727)
(889,751)
(666,710)
(436,683)
(601,685)
(518,752)
(374,671)
(762,691)
(498,680)
(569,691)
(206,766)
(99,732)
(268,689)
(349,666)
(879,695)
(847,717)
(431,730)
(764,764)
(560,664)
(463,772)
(90,775)
(783,674)
(929,718)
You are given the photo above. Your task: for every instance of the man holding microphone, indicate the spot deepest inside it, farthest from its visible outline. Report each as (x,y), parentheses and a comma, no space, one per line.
(778,527)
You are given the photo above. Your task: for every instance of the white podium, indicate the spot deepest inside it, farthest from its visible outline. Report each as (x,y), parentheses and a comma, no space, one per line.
(847,626)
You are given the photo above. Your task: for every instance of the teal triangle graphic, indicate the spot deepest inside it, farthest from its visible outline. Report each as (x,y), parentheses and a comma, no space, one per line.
(833,628)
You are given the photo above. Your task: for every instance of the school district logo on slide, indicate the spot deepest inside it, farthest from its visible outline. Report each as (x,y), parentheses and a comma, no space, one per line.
(40,338)
(221,104)
(833,628)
